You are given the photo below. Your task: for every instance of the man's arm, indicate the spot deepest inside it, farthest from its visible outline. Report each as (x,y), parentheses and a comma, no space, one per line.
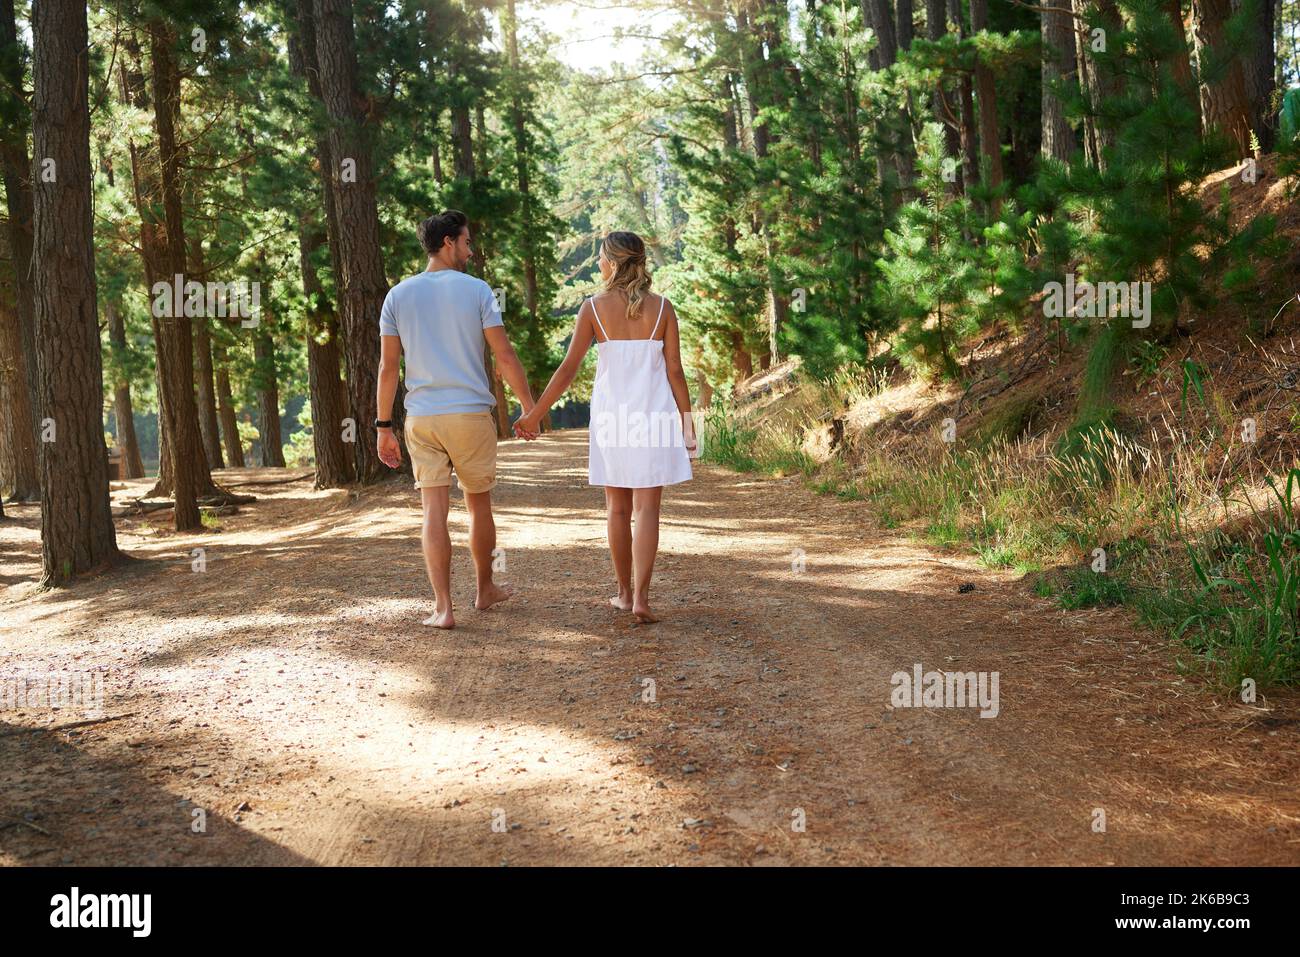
(390,357)
(512,370)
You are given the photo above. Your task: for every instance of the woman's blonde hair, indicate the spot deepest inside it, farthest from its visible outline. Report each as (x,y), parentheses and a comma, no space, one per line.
(626,252)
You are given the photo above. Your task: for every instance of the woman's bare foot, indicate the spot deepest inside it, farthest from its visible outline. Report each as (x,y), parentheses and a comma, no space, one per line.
(441,619)
(490,596)
(623,600)
(641,611)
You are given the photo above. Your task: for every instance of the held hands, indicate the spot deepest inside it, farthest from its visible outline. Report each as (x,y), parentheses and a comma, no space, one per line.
(528,425)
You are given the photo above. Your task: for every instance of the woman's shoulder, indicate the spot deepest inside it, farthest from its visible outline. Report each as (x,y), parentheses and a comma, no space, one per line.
(651,303)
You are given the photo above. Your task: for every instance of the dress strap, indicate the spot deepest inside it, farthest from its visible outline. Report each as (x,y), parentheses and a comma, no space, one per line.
(594,311)
(662,300)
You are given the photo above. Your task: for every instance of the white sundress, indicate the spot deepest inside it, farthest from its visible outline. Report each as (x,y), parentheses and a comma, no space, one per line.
(636,430)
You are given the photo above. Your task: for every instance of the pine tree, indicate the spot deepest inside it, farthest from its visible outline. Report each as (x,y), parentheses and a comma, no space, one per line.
(930,272)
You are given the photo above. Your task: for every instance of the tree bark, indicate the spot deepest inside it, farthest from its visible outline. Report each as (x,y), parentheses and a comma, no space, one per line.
(335,466)
(209,433)
(759,79)
(438,176)
(740,357)
(16,168)
(1099,81)
(328,395)
(906,28)
(523,149)
(990,135)
(77,532)
(19,468)
(944,106)
(1260,75)
(268,399)
(1182,58)
(226,410)
(882,21)
(502,407)
(1224,105)
(189,472)
(1058,66)
(966,104)
(123,410)
(361,280)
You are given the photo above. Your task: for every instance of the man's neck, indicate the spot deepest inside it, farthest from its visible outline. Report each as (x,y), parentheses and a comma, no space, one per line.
(436,264)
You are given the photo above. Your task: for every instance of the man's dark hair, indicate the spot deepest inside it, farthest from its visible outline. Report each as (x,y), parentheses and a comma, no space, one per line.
(437,229)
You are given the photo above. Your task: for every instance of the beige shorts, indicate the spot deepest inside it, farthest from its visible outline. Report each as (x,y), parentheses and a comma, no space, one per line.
(464,441)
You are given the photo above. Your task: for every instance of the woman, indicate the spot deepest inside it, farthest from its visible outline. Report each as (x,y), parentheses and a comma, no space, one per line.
(641,430)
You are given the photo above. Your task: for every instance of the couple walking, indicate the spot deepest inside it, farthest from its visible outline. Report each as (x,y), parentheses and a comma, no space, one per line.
(641,434)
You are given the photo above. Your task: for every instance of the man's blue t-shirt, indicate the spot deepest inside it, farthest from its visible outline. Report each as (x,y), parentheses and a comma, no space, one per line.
(440,317)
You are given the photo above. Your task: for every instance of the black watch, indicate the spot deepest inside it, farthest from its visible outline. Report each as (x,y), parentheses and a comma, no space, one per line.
(383,423)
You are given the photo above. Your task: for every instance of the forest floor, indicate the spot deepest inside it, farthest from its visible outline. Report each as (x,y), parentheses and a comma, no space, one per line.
(291,693)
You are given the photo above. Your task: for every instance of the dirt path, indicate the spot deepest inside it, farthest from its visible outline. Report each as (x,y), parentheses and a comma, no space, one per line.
(290,692)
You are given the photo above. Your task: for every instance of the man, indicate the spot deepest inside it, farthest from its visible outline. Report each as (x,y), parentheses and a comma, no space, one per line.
(440,320)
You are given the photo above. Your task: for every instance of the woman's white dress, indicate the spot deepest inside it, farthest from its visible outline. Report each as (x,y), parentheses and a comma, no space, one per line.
(636,436)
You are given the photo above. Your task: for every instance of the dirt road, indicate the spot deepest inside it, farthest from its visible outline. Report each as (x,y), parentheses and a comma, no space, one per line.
(288,698)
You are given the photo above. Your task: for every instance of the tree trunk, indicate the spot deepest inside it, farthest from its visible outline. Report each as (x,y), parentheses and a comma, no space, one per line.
(16,168)
(361,281)
(990,139)
(906,29)
(190,475)
(969,152)
(209,433)
(268,399)
(1058,67)
(77,532)
(944,106)
(882,21)
(328,395)
(527,217)
(438,176)
(19,468)
(740,357)
(123,410)
(1099,81)
(759,78)
(329,389)
(1260,73)
(1181,62)
(1224,105)
(503,404)
(703,389)
(226,410)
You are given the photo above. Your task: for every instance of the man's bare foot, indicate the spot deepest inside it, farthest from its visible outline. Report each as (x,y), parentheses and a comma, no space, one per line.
(488,597)
(622,601)
(641,611)
(441,619)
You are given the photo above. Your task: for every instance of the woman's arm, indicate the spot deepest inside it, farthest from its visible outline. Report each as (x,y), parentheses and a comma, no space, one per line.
(676,376)
(583,333)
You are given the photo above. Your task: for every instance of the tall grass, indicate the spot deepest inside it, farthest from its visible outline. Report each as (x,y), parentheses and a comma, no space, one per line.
(1154,510)
(1245,617)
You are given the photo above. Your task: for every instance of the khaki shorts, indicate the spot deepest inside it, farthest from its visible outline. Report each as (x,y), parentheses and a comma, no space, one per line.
(464,441)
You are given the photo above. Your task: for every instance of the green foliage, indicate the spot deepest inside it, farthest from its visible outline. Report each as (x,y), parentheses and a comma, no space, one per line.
(1257,634)
(1147,357)
(300,450)
(723,443)
(1085,588)
(1288,141)
(930,270)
